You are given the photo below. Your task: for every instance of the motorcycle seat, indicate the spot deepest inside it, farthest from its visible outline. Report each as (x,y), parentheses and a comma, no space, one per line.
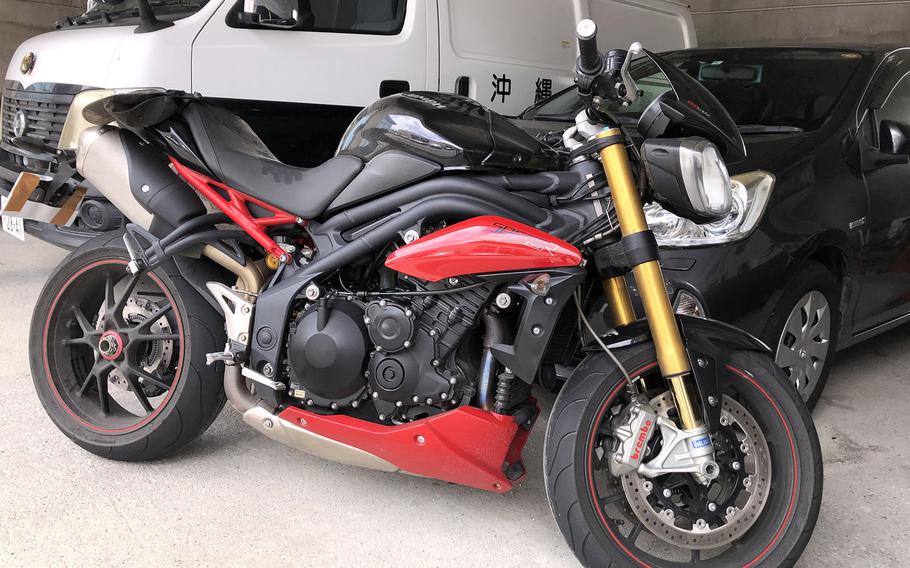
(240,159)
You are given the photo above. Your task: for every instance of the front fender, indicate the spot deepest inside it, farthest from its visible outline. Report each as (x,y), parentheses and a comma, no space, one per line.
(709,344)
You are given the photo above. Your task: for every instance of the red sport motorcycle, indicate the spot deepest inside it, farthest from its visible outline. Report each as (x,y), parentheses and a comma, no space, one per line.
(391,308)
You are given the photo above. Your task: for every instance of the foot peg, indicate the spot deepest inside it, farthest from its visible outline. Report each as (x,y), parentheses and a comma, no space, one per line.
(135,250)
(225,357)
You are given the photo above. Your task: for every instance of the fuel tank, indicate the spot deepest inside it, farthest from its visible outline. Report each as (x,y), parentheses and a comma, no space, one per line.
(453,131)
(482,245)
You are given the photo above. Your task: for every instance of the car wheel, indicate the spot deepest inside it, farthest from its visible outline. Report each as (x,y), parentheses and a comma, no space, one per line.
(803,329)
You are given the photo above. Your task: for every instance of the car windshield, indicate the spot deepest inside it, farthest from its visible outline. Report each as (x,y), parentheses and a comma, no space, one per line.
(104,12)
(765,90)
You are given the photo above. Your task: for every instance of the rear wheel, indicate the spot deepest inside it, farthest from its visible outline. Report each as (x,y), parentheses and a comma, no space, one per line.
(118,360)
(759,511)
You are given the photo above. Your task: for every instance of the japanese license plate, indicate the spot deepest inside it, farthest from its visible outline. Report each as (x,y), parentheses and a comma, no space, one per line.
(12,225)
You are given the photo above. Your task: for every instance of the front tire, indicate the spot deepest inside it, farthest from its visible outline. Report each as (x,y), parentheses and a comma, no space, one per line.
(119,364)
(605,532)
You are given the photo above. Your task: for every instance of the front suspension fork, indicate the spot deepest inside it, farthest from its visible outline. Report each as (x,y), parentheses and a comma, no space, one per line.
(671,352)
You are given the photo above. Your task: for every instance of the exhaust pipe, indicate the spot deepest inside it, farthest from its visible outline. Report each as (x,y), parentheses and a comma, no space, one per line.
(136,179)
(101,159)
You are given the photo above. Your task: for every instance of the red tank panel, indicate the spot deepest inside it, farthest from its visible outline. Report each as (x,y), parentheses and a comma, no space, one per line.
(479,246)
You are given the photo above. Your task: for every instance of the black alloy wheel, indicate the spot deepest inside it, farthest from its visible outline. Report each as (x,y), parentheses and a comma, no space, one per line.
(759,511)
(118,359)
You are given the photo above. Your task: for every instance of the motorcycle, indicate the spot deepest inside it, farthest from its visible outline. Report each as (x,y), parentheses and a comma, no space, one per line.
(391,308)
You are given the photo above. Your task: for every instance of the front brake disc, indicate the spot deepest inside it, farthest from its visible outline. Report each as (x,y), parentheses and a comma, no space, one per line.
(743,504)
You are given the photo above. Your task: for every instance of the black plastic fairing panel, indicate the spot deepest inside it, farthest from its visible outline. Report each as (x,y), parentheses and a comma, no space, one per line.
(137,109)
(537,322)
(387,171)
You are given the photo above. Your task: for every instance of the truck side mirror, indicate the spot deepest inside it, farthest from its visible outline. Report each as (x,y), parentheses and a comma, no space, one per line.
(894,138)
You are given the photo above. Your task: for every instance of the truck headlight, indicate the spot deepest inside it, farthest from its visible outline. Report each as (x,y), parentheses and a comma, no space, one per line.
(750,195)
(75,123)
(688,177)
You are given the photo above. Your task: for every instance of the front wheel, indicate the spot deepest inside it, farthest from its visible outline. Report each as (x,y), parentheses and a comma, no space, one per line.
(759,511)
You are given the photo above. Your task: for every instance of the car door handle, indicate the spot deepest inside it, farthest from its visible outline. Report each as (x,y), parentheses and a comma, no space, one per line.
(463,86)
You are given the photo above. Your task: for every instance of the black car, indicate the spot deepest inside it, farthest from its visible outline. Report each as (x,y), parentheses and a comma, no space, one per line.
(818,260)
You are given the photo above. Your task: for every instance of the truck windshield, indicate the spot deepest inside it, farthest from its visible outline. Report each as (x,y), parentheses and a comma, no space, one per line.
(126,12)
(765,90)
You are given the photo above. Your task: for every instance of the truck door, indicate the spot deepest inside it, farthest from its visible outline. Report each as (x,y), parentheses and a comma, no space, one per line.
(885,293)
(506,54)
(300,70)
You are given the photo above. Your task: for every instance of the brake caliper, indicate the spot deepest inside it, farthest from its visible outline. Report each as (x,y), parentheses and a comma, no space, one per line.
(631,437)
(681,451)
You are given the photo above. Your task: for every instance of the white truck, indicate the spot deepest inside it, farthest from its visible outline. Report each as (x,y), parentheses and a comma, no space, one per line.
(297,70)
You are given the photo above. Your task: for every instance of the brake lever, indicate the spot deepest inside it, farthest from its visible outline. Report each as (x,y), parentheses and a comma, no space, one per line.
(630,88)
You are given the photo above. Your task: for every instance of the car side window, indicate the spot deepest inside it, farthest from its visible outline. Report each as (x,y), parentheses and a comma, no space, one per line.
(890,72)
(378,17)
(895,104)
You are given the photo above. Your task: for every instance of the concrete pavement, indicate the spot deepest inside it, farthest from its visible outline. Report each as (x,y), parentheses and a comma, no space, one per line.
(235,498)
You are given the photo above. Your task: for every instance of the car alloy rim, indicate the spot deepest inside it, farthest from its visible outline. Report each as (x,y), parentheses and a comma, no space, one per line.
(804,341)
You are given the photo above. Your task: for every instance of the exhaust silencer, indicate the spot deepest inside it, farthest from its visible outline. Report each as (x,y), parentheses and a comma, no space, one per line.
(137,179)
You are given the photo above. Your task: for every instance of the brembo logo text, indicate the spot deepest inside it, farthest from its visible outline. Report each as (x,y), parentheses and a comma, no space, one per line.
(642,438)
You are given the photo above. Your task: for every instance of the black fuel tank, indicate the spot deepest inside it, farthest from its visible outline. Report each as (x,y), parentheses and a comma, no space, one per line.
(455,132)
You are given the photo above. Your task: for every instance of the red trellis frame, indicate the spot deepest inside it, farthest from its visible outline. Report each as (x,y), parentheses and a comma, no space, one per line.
(235,207)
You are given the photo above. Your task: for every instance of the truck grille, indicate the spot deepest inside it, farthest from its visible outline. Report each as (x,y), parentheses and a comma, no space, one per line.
(44,113)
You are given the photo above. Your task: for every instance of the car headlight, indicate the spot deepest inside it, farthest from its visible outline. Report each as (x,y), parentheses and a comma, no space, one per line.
(688,177)
(750,195)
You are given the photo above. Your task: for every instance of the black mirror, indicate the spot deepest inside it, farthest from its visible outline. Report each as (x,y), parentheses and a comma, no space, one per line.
(894,138)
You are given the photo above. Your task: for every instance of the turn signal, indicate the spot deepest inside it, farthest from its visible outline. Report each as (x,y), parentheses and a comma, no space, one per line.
(539,285)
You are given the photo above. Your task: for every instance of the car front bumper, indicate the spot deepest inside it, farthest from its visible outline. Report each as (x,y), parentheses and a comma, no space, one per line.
(738,283)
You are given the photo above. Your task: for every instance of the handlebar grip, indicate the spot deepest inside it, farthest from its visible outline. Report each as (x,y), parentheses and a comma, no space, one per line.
(589,60)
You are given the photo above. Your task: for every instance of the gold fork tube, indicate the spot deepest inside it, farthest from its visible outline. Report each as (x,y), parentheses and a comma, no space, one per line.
(617,293)
(671,352)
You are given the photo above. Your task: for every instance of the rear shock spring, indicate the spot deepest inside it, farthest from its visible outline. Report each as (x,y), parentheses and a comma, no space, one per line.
(504,392)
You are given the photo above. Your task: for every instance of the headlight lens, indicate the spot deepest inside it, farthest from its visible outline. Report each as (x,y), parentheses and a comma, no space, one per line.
(705,175)
(750,196)
(688,177)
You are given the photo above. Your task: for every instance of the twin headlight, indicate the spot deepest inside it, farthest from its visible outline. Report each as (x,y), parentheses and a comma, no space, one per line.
(696,201)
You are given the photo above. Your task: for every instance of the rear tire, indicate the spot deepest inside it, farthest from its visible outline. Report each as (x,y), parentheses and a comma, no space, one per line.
(787,519)
(185,410)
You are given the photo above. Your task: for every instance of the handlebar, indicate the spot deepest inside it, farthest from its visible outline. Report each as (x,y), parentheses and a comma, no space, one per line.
(589,60)
(603,78)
